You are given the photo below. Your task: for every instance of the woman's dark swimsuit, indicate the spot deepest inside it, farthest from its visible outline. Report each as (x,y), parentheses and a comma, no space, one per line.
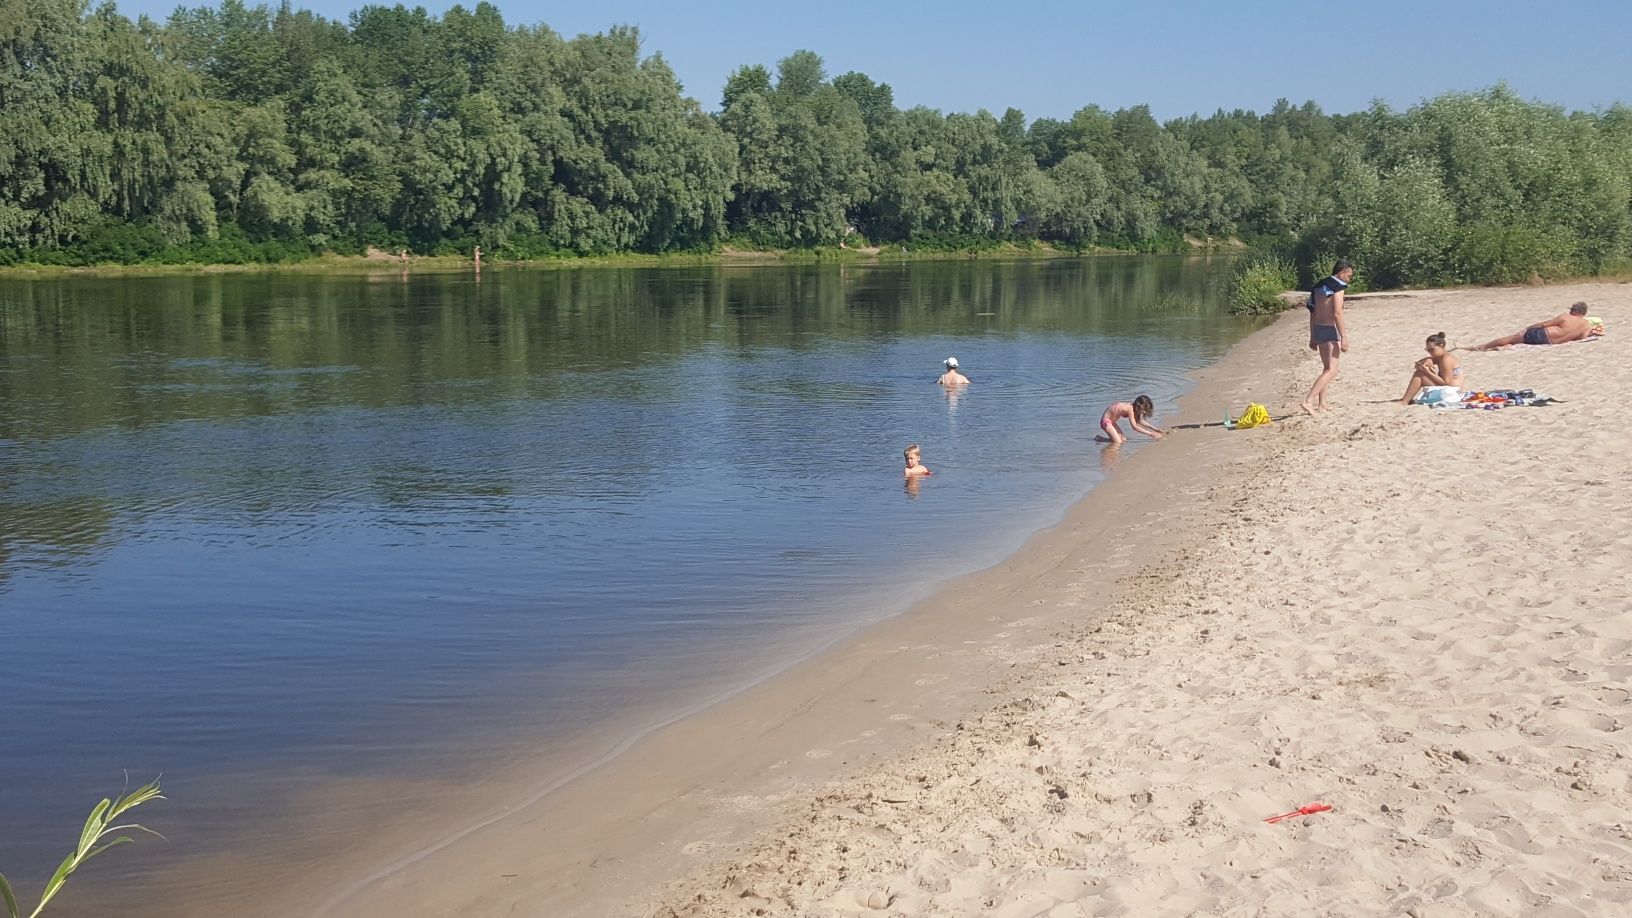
(1536,336)
(1327,333)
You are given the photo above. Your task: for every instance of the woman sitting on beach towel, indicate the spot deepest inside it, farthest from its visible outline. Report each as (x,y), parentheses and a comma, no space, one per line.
(1439,369)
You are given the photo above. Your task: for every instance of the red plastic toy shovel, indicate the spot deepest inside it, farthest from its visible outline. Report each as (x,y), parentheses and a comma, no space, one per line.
(1308,809)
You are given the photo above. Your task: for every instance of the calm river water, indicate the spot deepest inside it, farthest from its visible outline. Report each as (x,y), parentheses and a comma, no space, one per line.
(263,532)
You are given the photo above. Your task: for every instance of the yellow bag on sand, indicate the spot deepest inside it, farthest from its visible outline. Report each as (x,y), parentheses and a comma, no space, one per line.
(1254,416)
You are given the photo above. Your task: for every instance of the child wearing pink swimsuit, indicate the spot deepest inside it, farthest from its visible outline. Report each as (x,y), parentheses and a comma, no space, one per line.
(1135,413)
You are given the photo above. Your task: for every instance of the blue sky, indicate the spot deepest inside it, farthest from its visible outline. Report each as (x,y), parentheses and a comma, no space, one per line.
(1050,58)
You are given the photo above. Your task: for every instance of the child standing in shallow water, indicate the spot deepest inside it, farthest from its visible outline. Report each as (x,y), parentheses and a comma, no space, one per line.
(1135,412)
(915,468)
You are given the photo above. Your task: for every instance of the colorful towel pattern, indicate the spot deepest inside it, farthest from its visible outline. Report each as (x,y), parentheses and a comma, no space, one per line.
(1492,399)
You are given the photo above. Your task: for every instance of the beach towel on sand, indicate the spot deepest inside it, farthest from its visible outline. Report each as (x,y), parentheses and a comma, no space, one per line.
(1439,395)
(1498,398)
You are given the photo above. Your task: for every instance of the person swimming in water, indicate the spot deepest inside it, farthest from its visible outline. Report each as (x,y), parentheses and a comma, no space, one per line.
(1136,413)
(915,467)
(952,377)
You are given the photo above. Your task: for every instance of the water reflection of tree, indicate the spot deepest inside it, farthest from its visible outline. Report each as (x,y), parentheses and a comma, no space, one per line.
(103,351)
(51,534)
(120,355)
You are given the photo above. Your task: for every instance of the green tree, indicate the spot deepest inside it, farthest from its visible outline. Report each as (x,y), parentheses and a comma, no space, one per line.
(54,164)
(249,131)
(1082,196)
(345,171)
(801,150)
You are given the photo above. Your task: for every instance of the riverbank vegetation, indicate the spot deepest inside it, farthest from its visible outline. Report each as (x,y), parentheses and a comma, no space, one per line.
(247,134)
(1257,281)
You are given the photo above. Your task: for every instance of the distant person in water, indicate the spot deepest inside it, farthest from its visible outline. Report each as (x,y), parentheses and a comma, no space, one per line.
(915,466)
(952,377)
(403,256)
(1439,368)
(1560,329)
(1328,336)
(1136,413)
(476,256)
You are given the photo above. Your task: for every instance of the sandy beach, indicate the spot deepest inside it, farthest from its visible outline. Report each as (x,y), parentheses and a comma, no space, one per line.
(1416,617)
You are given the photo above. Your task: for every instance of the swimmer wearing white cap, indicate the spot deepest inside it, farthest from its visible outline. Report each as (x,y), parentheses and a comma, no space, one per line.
(952,377)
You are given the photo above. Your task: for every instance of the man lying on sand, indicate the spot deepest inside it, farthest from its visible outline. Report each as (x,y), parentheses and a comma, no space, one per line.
(1562,328)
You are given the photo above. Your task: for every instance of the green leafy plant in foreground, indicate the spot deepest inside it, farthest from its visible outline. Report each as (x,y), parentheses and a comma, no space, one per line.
(98,826)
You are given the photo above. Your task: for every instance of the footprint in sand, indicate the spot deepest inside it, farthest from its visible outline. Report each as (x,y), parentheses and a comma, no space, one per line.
(818,753)
(900,717)
(698,847)
(742,804)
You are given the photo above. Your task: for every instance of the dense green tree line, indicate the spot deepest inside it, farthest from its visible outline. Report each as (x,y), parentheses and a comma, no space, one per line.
(239,132)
